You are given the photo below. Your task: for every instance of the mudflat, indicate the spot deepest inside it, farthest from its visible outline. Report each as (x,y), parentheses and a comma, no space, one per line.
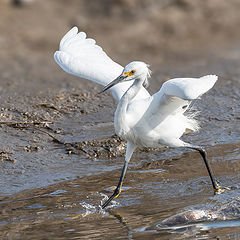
(59,155)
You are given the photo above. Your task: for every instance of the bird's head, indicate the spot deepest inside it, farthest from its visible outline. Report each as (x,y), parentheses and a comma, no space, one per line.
(134,70)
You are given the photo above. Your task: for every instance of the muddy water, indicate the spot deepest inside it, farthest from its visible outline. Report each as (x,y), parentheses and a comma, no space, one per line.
(52,189)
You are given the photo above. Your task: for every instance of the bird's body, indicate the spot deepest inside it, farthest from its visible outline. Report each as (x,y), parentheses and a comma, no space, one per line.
(160,119)
(142,120)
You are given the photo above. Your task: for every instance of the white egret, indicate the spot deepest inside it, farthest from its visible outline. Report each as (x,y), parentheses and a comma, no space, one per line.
(140,119)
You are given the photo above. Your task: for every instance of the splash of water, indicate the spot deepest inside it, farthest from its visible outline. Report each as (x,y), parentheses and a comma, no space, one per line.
(105,198)
(92,209)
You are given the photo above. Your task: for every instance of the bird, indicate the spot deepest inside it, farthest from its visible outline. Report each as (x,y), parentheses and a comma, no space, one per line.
(141,119)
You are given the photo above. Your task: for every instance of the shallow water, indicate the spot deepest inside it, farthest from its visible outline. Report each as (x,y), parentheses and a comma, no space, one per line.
(51,190)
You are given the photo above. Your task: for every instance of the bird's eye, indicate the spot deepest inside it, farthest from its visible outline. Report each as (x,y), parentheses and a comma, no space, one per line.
(131,73)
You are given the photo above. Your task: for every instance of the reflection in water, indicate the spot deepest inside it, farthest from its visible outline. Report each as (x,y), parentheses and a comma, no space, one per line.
(121,219)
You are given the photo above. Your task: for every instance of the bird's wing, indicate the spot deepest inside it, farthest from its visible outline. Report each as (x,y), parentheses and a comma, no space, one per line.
(188,88)
(80,56)
(176,94)
(172,99)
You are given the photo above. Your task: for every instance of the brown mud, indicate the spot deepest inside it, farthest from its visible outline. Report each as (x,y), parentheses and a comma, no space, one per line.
(59,156)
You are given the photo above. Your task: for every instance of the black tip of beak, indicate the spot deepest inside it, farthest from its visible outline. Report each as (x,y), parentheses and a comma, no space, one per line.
(104,89)
(114,82)
(101,92)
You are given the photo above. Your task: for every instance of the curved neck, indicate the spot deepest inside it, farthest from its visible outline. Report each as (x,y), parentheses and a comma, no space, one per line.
(132,91)
(127,97)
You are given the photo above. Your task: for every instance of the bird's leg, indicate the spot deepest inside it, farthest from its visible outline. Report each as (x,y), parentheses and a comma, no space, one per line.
(119,186)
(129,152)
(216,187)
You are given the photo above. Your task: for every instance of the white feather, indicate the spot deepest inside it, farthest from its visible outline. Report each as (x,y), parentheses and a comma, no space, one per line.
(80,56)
(189,88)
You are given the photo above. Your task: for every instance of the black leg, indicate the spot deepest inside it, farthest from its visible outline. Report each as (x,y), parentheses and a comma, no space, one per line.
(217,189)
(130,149)
(119,186)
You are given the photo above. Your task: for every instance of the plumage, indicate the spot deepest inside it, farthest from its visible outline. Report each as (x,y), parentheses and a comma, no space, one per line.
(142,120)
(80,56)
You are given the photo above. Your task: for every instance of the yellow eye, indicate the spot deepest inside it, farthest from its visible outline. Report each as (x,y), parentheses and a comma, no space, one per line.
(131,73)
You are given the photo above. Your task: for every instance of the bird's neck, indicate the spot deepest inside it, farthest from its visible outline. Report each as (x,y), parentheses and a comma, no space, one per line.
(131,93)
(121,112)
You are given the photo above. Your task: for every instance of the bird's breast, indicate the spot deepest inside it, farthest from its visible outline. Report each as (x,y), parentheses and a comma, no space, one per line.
(121,127)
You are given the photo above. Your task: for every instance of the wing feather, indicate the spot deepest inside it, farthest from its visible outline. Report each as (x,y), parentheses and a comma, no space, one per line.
(171,101)
(188,88)
(176,93)
(80,56)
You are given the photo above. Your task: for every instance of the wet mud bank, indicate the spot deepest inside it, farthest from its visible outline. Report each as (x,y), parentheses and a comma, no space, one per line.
(60,159)
(46,136)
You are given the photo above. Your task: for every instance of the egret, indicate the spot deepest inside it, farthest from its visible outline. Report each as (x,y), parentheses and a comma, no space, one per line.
(140,119)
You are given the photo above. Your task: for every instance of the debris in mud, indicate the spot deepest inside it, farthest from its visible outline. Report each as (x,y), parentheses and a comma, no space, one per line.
(47,105)
(99,148)
(107,147)
(95,148)
(83,111)
(4,156)
(31,148)
(24,124)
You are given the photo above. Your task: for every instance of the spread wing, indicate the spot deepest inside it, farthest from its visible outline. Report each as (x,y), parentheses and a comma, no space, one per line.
(188,88)
(176,94)
(80,56)
(171,101)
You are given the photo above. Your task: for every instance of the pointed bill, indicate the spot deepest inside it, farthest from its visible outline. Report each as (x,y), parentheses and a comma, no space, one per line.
(114,82)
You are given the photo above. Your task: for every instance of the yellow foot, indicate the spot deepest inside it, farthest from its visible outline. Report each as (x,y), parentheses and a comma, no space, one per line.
(115,195)
(220,189)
